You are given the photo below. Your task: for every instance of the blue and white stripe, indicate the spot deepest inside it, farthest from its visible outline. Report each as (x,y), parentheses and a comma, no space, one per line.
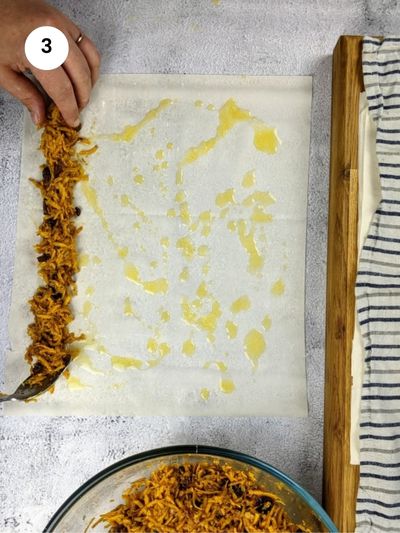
(378,303)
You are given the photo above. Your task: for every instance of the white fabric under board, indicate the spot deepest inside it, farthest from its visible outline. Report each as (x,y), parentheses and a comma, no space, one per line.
(174,387)
(377,297)
(369,195)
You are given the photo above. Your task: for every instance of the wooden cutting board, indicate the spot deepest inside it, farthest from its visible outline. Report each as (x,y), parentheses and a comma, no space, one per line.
(340,478)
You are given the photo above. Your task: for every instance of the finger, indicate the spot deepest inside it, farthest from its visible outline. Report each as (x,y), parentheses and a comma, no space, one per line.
(79,73)
(24,90)
(58,86)
(92,56)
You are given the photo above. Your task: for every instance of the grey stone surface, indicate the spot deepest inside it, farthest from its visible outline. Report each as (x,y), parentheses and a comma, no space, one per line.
(44,459)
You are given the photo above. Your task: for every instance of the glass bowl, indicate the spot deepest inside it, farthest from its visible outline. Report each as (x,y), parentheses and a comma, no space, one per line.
(103,491)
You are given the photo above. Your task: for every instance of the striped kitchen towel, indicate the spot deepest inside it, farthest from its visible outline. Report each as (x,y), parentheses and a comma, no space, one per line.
(378,302)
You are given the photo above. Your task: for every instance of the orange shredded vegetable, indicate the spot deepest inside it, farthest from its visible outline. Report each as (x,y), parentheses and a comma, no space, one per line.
(49,351)
(199,497)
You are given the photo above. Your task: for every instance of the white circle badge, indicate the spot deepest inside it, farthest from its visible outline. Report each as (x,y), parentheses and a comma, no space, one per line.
(46,48)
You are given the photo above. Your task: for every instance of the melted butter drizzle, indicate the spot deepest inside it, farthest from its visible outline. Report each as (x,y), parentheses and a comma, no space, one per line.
(226,385)
(254,346)
(128,309)
(249,179)
(159,285)
(122,363)
(84,361)
(75,384)
(242,303)
(231,329)
(221,366)
(194,311)
(130,131)
(247,239)
(157,349)
(127,202)
(188,347)
(278,288)
(87,308)
(92,199)
(265,138)
(204,394)
(152,287)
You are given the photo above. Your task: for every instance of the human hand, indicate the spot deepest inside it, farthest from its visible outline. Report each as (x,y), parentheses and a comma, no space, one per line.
(69,85)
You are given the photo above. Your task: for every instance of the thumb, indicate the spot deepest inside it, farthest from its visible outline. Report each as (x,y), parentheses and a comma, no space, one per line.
(25,91)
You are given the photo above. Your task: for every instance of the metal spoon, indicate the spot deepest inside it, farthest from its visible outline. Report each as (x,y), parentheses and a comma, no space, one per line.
(27,390)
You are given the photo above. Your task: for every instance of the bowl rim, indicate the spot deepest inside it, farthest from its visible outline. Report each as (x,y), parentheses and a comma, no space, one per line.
(192,449)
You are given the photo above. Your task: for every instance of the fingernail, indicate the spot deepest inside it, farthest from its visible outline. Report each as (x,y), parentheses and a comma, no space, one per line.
(35,117)
(76,123)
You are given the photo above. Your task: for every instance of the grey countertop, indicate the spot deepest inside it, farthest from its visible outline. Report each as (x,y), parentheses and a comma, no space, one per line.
(44,459)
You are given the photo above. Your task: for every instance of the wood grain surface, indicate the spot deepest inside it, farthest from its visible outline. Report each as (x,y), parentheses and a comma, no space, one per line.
(340,478)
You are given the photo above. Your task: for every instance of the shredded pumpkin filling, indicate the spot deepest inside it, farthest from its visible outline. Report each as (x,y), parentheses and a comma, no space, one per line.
(50,352)
(197,498)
